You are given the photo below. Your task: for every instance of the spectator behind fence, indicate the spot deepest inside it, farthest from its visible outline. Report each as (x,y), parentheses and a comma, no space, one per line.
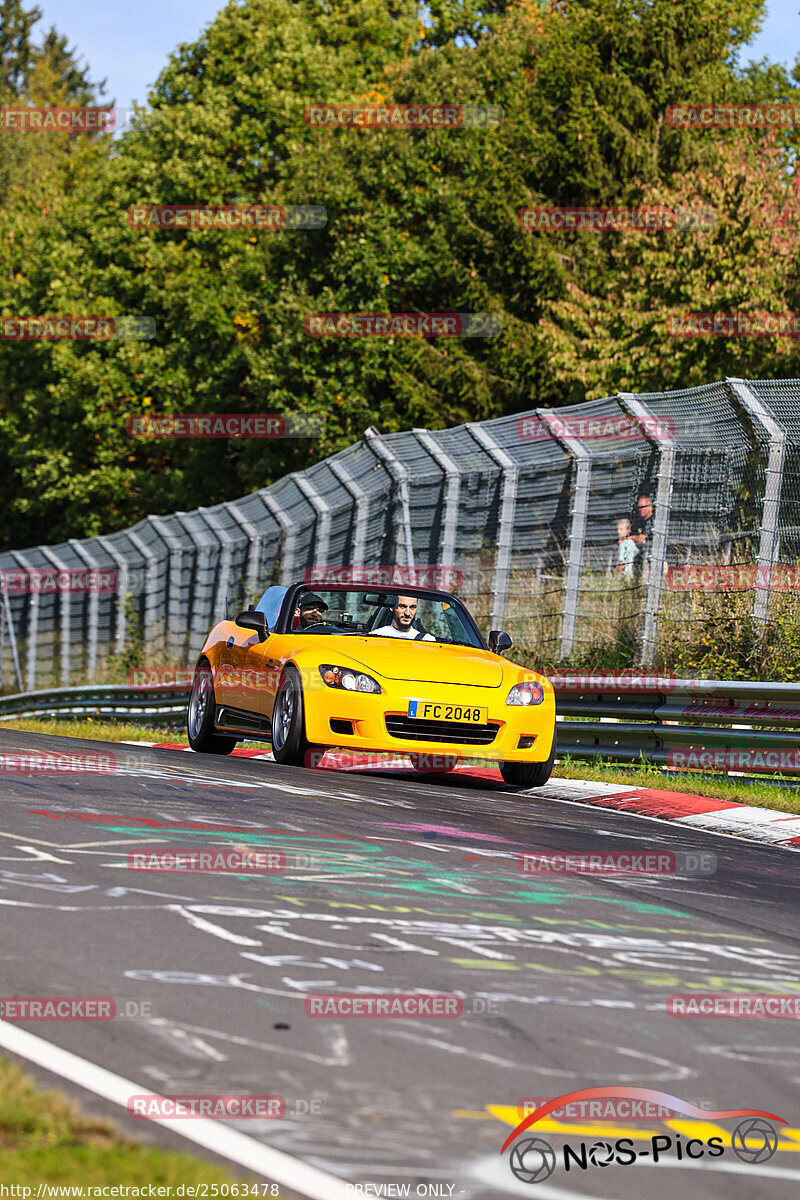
(642,524)
(628,550)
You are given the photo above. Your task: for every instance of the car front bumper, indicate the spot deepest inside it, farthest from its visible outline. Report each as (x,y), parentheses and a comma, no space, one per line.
(367,714)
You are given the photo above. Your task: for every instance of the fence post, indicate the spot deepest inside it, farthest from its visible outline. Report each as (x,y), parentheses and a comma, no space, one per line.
(323,515)
(505,531)
(577,531)
(151,562)
(399,473)
(122,591)
(287,536)
(60,565)
(773,486)
(176,624)
(361,501)
(651,429)
(94,603)
(254,538)
(33,626)
(12,637)
(447,549)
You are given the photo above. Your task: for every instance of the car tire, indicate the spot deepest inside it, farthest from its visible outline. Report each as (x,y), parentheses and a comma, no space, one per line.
(290,746)
(529,775)
(200,715)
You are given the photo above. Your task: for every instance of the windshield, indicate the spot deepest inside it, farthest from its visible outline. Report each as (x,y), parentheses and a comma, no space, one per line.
(383,614)
(270,603)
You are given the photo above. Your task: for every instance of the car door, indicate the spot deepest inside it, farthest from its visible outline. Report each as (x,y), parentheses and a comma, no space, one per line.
(233,685)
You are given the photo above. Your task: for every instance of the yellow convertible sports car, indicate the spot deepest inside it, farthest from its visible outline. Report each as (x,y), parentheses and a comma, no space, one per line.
(370,671)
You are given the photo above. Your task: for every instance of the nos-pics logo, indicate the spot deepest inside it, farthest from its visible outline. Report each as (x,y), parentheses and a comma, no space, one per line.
(533,1160)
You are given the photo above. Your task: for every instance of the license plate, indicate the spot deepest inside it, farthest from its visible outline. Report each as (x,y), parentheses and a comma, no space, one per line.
(428,710)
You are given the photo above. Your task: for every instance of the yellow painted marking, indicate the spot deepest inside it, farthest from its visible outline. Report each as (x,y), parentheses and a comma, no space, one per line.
(700,1129)
(509,1115)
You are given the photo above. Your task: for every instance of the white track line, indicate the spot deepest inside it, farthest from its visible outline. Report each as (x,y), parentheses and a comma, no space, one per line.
(237,1147)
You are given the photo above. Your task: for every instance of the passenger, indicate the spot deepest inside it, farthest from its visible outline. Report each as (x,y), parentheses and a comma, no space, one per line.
(402,625)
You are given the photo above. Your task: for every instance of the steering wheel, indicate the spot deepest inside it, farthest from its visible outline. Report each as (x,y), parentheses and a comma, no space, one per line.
(320,625)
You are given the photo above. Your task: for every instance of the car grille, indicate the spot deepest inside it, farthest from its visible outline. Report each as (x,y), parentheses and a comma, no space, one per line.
(462,732)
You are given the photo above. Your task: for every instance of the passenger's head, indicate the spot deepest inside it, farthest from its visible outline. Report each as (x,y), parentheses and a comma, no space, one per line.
(403,615)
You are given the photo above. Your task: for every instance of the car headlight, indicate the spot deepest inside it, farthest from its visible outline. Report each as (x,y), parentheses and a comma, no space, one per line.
(526,693)
(348,680)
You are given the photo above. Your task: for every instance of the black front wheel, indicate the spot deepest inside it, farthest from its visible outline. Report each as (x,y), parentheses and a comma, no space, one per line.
(529,774)
(200,715)
(289,743)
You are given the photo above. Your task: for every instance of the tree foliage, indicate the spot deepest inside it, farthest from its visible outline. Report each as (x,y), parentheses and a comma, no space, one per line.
(418,221)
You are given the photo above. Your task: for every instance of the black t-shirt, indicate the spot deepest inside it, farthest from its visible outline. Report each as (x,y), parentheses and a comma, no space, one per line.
(640,524)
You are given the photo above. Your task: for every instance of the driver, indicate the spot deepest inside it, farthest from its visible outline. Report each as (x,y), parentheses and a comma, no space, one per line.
(311,610)
(402,625)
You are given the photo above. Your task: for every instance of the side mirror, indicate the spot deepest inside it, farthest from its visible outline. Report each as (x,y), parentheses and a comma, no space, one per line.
(499,641)
(250,619)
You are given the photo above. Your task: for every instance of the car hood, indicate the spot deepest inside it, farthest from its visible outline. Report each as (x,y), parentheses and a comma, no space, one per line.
(418,662)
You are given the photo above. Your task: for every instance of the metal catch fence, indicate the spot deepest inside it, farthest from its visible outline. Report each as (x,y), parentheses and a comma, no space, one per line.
(523,511)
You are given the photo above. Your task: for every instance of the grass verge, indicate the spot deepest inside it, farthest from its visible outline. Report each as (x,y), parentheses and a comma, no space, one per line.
(44,1138)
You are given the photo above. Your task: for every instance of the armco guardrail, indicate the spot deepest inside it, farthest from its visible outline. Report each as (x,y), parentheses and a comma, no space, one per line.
(162,706)
(710,724)
(683,723)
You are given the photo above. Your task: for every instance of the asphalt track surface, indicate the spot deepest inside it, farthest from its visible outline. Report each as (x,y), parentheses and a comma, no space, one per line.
(414,886)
